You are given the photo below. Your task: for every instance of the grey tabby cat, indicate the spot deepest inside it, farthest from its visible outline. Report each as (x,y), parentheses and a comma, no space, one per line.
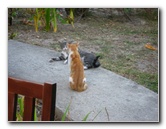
(89,59)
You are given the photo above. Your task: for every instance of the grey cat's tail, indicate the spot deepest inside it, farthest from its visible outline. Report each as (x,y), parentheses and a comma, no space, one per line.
(96,62)
(57,59)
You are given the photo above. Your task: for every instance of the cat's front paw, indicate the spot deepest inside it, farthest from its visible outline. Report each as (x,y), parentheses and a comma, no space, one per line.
(85,67)
(65,62)
(52,60)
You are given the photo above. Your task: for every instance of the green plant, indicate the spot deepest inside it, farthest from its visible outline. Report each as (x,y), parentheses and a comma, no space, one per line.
(13,35)
(127,10)
(20,113)
(48,17)
(35,115)
(85,118)
(66,111)
(36,20)
(87,115)
(71,17)
(54,22)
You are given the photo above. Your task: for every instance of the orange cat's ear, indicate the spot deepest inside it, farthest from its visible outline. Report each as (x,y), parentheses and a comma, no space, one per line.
(77,44)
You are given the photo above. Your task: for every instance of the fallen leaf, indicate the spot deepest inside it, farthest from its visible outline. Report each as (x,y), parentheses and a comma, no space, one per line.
(149,46)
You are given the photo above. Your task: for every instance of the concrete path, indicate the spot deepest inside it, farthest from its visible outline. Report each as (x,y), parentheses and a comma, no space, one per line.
(114,97)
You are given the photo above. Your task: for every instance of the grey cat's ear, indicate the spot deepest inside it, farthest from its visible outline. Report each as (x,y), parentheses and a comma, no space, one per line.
(65,48)
(82,59)
(67,45)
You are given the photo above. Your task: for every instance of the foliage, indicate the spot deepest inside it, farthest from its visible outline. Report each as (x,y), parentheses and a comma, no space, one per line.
(85,118)
(65,114)
(71,17)
(54,22)
(36,20)
(48,18)
(127,10)
(13,12)
(20,113)
(35,115)
(44,17)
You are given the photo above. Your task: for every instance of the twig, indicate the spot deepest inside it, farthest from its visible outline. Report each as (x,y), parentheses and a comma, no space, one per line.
(107,114)
(69,106)
(96,115)
(79,18)
(127,16)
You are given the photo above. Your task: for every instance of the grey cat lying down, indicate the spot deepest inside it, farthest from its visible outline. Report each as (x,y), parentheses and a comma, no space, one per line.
(89,59)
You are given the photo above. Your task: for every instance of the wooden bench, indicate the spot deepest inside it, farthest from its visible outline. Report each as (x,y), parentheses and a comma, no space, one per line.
(46,92)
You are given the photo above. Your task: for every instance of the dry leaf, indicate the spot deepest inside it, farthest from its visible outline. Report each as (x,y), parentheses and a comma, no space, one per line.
(149,46)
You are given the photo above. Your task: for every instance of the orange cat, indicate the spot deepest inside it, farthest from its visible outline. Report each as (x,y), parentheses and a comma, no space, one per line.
(77,79)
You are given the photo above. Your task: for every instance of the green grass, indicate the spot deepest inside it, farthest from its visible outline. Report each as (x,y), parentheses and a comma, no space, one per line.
(149,80)
(124,64)
(66,112)
(56,46)
(122,55)
(85,118)
(126,69)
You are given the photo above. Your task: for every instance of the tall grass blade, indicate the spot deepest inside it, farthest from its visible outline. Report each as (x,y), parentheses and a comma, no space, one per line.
(19,117)
(35,23)
(47,18)
(65,114)
(19,114)
(35,115)
(71,15)
(21,106)
(54,20)
(85,118)
(67,110)
(36,19)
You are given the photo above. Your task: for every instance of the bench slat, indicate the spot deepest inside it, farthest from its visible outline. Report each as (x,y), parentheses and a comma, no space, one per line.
(12,105)
(29,107)
(48,104)
(46,92)
(25,88)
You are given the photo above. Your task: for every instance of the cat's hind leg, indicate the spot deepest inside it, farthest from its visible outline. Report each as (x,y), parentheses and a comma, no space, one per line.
(84,80)
(84,84)
(71,79)
(71,83)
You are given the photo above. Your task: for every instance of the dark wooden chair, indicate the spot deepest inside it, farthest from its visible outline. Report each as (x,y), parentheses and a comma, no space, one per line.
(46,92)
